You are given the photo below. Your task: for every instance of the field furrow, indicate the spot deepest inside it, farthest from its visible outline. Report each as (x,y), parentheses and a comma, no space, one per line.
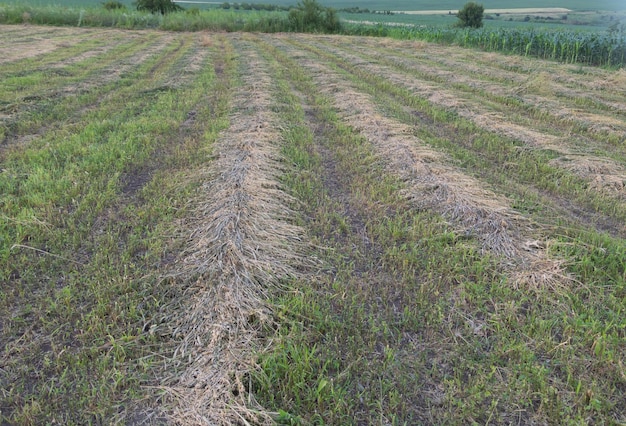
(230,228)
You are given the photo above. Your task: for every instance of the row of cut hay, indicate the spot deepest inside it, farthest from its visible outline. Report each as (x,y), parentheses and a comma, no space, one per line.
(603,86)
(107,73)
(106,70)
(572,80)
(609,179)
(552,89)
(604,175)
(439,89)
(432,184)
(17,43)
(153,44)
(556,92)
(241,244)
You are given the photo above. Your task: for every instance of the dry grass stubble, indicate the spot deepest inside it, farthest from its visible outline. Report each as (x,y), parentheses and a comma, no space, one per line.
(437,186)
(241,244)
(541,83)
(35,45)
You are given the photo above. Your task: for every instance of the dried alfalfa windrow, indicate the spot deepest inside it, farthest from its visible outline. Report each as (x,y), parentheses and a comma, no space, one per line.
(431,183)
(604,175)
(241,244)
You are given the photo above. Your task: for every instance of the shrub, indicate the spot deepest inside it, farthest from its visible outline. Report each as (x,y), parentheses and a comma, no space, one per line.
(113,4)
(310,16)
(471,15)
(158,6)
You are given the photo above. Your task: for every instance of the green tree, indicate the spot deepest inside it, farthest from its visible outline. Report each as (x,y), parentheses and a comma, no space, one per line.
(158,6)
(471,15)
(310,16)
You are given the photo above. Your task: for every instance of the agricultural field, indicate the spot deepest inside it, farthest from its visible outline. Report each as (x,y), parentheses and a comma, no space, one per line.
(246,228)
(378,4)
(583,21)
(603,20)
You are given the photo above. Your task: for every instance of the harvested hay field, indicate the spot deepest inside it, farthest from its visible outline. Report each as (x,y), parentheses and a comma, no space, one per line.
(270,229)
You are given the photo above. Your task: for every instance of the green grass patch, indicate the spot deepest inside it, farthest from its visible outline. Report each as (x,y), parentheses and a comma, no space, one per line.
(87,215)
(408,322)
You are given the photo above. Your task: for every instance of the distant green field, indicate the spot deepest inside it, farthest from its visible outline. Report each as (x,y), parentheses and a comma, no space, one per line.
(392,5)
(583,21)
(489,4)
